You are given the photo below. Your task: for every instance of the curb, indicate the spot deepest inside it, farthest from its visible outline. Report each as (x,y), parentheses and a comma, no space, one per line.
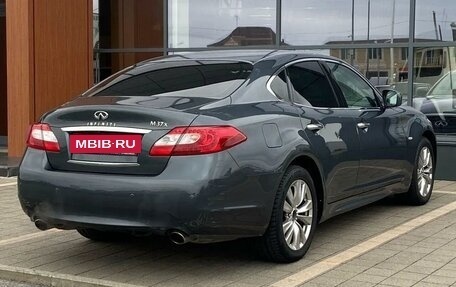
(45,278)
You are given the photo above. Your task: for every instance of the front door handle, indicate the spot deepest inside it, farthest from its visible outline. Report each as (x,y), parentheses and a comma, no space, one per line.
(363,125)
(314,127)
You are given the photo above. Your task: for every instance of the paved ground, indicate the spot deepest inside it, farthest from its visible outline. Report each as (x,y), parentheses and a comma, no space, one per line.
(384,244)
(4,283)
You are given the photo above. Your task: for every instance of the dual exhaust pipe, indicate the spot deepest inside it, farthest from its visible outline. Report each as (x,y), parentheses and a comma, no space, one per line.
(176,237)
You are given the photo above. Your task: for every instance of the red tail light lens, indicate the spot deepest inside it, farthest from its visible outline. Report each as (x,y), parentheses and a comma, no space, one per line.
(41,137)
(197,140)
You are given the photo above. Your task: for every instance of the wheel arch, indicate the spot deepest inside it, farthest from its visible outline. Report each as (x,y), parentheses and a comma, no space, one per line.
(431,137)
(312,166)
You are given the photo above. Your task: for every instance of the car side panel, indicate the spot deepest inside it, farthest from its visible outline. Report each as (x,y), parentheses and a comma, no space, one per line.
(384,159)
(263,157)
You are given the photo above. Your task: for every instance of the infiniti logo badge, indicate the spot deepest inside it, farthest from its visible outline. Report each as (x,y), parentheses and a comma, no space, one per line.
(441,124)
(101,115)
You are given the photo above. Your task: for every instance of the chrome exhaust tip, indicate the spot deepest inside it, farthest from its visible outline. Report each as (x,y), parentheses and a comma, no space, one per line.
(41,225)
(178,238)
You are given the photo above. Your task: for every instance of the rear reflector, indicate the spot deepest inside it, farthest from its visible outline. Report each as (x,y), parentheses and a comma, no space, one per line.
(41,137)
(197,140)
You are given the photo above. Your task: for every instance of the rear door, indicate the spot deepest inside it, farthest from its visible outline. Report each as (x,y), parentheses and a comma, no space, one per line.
(382,132)
(331,131)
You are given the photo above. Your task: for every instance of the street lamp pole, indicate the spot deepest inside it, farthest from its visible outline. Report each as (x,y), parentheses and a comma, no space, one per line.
(368,36)
(392,41)
(353,32)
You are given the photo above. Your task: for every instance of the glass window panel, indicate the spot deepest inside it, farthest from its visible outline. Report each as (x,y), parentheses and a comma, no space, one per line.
(357,93)
(376,64)
(130,23)
(318,22)
(435,87)
(435,20)
(193,79)
(221,23)
(280,87)
(106,64)
(311,86)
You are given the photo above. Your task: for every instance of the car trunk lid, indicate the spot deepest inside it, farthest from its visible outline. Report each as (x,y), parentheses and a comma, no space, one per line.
(86,119)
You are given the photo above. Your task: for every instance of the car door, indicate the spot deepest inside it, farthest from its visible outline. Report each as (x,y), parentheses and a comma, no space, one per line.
(331,131)
(382,131)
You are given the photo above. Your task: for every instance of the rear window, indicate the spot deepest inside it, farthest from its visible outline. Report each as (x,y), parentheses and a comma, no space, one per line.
(190,79)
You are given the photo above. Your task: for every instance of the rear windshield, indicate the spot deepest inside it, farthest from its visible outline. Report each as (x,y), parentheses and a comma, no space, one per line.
(201,79)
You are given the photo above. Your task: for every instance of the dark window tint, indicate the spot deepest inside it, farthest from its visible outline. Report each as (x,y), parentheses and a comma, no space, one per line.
(357,93)
(279,86)
(310,85)
(203,80)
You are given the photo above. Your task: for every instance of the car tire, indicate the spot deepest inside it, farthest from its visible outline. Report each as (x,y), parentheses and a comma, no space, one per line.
(422,183)
(293,220)
(102,236)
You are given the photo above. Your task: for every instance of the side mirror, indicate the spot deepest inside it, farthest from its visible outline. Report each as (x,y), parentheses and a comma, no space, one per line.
(391,98)
(421,92)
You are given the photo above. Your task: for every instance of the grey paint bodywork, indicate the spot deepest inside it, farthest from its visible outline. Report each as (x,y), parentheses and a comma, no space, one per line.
(230,194)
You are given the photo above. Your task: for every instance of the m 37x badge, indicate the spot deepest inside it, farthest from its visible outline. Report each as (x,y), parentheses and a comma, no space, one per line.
(158,124)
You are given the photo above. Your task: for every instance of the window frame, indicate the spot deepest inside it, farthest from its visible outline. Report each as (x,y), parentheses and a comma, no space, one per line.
(290,94)
(269,88)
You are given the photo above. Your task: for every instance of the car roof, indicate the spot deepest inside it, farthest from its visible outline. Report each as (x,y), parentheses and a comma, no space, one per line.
(252,56)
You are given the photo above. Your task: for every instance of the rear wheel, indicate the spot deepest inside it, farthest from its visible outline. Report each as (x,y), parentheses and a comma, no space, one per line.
(294,218)
(103,236)
(420,189)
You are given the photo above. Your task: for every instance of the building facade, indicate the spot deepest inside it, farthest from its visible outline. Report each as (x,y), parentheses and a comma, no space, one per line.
(52,50)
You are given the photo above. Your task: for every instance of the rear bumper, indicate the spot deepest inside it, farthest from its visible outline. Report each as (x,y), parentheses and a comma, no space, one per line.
(207,197)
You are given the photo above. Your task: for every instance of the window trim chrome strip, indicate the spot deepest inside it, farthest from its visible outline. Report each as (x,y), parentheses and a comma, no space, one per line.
(98,163)
(106,129)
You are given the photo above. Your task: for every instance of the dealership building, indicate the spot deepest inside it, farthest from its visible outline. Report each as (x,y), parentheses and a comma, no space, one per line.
(52,50)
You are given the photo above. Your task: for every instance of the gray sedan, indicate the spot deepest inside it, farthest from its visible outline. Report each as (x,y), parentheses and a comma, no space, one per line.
(216,146)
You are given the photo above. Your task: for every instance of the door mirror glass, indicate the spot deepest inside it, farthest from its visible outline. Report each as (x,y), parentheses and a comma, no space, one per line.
(392,98)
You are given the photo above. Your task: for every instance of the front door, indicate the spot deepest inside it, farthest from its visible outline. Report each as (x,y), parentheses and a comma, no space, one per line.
(382,134)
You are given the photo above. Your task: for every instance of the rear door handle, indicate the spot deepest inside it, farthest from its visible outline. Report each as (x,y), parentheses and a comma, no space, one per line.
(315,127)
(363,125)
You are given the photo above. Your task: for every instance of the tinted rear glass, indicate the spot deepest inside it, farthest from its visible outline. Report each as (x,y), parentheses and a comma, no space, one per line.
(190,79)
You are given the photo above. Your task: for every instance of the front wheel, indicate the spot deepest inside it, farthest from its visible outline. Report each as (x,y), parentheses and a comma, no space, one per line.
(294,218)
(420,189)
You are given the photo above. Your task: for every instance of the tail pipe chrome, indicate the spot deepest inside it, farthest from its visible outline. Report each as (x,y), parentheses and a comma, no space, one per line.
(179,238)
(42,225)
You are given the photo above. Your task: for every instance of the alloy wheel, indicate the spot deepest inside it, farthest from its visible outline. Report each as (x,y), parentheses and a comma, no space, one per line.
(425,171)
(297,214)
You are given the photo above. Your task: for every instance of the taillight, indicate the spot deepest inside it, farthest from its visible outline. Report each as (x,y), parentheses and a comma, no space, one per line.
(42,137)
(197,140)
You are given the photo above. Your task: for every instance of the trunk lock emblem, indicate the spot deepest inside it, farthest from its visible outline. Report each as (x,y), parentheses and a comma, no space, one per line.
(101,115)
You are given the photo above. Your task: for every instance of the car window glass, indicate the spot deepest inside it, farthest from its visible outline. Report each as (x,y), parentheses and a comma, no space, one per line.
(311,86)
(356,91)
(199,79)
(444,88)
(279,86)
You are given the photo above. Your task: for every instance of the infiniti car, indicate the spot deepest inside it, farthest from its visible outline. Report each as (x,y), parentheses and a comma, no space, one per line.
(215,146)
(439,105)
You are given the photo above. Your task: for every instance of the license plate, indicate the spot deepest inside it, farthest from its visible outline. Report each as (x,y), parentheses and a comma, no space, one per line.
(105,144)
